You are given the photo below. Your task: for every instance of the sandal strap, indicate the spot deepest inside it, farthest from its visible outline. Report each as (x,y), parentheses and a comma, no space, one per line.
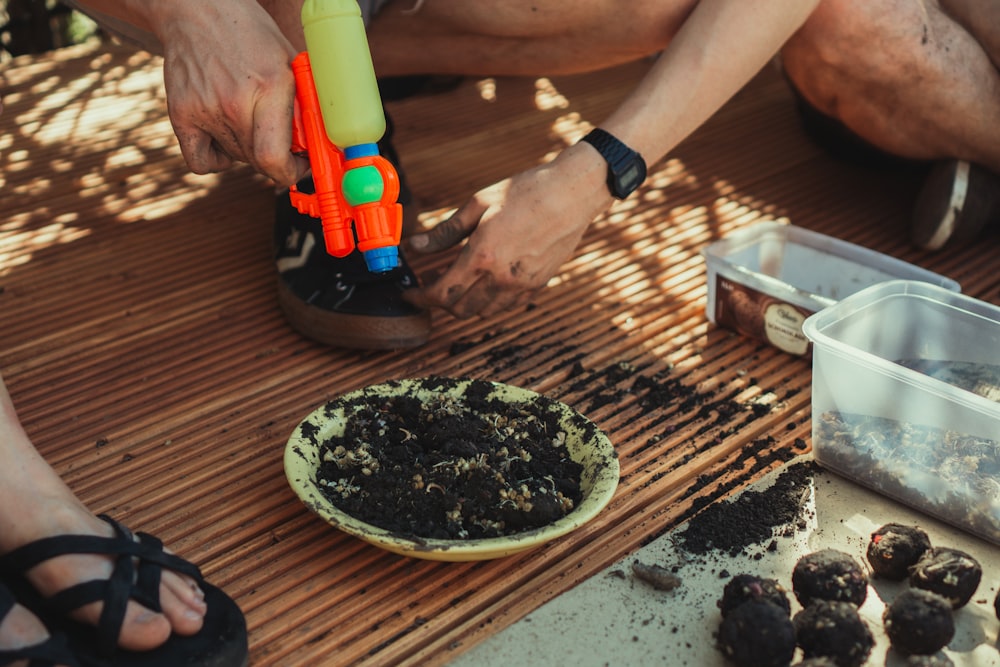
(52,651)
(138,565)
(7,602)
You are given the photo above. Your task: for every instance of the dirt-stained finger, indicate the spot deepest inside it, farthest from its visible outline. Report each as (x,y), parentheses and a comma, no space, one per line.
(482,295)
(434,295)
(202,154)
(272,136)
(446,234)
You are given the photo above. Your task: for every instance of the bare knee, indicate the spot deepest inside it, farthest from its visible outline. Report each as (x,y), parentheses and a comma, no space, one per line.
(848,47)
(903,75)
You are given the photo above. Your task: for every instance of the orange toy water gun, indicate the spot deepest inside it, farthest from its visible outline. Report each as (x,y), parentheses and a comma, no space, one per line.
(356,189)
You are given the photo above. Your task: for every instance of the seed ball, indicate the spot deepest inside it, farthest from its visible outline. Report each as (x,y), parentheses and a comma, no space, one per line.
(834,629)
(894,548)
(757,634)
(829,575)
(745,587)
(953,574)
(936,660)
(819,661)
(919,622)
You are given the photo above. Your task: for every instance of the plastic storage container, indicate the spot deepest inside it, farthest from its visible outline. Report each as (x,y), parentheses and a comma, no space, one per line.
(765,280)
(905,391)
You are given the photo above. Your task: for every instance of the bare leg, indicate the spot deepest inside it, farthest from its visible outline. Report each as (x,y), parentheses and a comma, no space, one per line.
(35,503)
(517,37)
(906,75)
(521,38)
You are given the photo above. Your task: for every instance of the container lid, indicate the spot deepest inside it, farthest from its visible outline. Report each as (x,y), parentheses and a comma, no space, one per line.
(906,328)
(816,324)
(820,268)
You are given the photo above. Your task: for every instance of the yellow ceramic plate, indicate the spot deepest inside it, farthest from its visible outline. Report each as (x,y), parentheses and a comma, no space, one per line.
(587,445)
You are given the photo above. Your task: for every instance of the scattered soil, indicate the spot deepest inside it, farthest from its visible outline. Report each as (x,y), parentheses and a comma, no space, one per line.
(754,517)
(453,466)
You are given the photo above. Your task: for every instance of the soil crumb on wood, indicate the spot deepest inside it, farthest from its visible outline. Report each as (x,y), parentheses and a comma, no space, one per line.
(452,466)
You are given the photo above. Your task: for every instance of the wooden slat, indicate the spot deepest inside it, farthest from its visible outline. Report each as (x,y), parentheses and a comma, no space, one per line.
(141,341)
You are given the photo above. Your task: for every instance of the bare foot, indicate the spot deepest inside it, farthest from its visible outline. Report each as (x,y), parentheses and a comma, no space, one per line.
(35,504)
(182,601)
(21,629)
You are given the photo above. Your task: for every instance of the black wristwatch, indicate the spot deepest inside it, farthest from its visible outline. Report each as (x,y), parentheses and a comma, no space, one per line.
(626,168)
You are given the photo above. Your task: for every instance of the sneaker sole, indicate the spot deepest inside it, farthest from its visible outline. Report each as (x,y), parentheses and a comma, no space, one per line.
(955,205)
(362,332)
(940,204)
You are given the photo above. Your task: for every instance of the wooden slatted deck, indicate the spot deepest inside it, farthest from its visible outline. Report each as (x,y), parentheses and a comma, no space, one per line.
(140,338)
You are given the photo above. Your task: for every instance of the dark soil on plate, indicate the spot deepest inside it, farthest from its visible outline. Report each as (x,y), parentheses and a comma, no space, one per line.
(451,466)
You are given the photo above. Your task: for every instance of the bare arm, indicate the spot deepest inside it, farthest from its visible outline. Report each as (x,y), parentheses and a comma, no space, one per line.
(522,229)
(721,47)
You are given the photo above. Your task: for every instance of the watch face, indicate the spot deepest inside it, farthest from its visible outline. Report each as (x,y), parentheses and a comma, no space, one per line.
(632,176)
(628,178)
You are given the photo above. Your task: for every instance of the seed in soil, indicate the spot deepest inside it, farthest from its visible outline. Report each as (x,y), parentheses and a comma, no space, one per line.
(919,622)
(757,634)
(952,574)
(829,574)
(745,587)
(451,465)
(894,549)
(834,629)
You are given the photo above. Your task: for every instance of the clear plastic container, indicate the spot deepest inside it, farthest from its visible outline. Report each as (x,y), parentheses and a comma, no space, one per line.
(905,391)
(765,280)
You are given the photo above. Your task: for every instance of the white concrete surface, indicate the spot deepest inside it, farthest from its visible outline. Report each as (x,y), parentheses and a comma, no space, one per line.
(616,619)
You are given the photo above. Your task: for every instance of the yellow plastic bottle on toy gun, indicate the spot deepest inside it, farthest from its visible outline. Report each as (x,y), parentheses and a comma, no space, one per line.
(338,122)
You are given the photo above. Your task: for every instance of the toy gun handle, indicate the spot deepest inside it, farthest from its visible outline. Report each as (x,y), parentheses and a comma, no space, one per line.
(356,185)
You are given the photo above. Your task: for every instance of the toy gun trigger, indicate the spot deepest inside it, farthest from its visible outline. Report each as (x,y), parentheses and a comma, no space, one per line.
(304,202)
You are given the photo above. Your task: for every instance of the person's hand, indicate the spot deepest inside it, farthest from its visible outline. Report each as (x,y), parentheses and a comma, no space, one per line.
(519,233)
(229,85)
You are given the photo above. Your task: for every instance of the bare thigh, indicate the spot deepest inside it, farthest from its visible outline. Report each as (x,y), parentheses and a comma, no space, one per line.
(515,37)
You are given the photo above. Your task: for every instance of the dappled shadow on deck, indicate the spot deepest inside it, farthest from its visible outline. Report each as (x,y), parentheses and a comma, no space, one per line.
(140,338)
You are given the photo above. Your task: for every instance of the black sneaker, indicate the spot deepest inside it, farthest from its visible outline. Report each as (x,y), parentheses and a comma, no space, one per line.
(338,301)
(957,202)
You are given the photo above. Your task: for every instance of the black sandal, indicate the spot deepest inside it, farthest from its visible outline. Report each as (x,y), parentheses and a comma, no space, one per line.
(222,641)
(52,651)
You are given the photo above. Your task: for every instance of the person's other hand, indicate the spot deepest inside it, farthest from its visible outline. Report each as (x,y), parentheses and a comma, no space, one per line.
(519,233)
(230,87)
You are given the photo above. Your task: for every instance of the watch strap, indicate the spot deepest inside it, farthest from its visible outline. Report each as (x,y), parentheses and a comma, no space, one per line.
(618,156)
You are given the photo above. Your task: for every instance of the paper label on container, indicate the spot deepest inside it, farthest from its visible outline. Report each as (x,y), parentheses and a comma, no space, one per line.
(761,316)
